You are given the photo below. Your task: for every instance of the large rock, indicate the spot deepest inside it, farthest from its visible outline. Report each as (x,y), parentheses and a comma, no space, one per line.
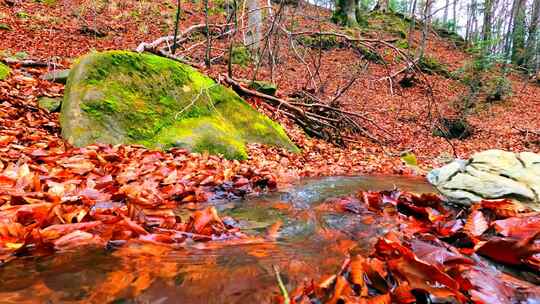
(123,97)
(491,174)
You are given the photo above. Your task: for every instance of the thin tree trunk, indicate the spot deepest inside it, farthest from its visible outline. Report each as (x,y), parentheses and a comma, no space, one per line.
(518,33)
(486,26)
(254,33)
(425,30)
(532,39)
(445,16)
(454,16)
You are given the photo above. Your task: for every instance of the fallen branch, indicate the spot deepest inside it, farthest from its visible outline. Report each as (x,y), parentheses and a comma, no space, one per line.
(31,63)
(527,131)
(320,120)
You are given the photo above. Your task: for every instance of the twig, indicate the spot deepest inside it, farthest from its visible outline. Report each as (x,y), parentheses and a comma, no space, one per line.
(284,293)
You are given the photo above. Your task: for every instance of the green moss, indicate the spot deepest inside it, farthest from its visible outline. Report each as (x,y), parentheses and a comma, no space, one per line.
(50,104)
(369,54)
(431,65)
(388,22)
(325,42)
(47,2)
(240,55)
(126,97)
(264,87)
(402,44)
(4,71)
(22,15)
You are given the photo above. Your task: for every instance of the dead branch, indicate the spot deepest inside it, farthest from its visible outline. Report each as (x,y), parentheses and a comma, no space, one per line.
(317,119)
(527,131)
(181,37)
(31,63)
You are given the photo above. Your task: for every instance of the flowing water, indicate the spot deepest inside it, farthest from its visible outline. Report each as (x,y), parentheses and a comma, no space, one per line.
(312,242)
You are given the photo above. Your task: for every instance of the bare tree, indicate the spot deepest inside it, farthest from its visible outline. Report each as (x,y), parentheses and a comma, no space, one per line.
(532,37)
(254,33)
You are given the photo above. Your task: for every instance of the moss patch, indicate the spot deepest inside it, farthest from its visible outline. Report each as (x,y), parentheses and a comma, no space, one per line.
(123,97)
(4,71)
(324,42)
(264,87)
(388,22)
(50,104)
(432,66)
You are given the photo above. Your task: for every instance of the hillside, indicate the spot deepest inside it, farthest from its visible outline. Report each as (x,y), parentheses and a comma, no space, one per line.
(60,31)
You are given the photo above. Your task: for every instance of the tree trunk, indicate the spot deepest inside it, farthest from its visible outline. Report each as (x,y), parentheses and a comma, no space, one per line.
(486,27)
(345,13)
(382,6)
(532,36)
(454,17)
(254,32)
(425,31)
(518,33)
(445,16)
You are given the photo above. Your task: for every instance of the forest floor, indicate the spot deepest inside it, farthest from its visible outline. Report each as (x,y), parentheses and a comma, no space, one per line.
(56,196)
(55,33)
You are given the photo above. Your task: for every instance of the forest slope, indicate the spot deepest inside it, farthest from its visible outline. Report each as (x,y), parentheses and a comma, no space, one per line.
(402,116)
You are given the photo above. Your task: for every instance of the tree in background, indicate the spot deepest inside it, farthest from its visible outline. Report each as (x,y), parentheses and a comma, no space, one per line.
(531,47)
(518,32)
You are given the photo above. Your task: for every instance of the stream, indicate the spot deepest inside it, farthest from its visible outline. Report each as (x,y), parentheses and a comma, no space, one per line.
(312,242)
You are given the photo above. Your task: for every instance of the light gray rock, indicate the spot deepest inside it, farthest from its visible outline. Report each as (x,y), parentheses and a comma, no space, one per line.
(491,174)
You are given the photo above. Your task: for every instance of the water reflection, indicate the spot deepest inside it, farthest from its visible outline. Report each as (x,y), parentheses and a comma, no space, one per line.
(312,242)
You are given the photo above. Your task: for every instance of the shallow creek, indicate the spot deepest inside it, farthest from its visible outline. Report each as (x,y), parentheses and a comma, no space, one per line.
(311,243)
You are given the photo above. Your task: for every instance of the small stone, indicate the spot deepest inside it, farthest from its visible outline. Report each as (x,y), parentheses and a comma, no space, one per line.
(49,104)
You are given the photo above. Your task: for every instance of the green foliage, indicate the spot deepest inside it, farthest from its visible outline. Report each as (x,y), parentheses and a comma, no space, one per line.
(369,54)
(497,88)
(4,71)
(431,65)
(325,42)
(265,87)
(22,15)
(5,27)
(389,22)
(402,44)
(240,55)
(47,2)
(50,104)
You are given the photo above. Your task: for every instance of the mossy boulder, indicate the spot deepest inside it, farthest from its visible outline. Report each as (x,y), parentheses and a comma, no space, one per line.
(119,97)
(4,71)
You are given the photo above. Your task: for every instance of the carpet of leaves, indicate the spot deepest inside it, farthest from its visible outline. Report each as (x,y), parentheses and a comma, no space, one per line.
(435,254)
(57,32)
